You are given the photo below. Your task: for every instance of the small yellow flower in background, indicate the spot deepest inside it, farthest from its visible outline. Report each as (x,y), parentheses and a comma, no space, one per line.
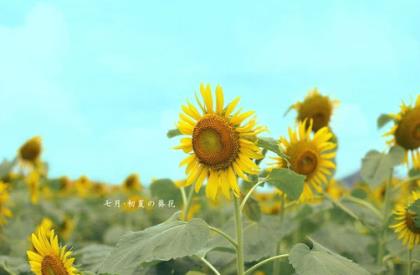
(82,186)
(309,155)
(4,200)
(132,183)
(47,256)
(315,107)
(99,189)
(406,129)
(335,189)
(33,182)
(66,228)
(30,151)
(221,143)
(405,226)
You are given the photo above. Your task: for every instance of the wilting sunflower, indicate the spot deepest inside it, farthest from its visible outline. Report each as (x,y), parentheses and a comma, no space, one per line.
(315,107)
(406,129)
(4,200)
(405,226)
(30,151)
(221,143)
(310,155)
(132,183)
(48,257)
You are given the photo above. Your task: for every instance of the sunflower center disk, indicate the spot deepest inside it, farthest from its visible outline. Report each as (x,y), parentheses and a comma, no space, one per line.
(307,163)
(408,132)
(51,265)
(410,222)
(215,142)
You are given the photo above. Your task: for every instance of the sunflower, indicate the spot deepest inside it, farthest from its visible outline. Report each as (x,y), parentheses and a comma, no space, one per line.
(33,182)
(221,143)
(315,107)
(30,151)
(406,129)
(47,257)
(405,226)
(4,199)
(309,155)
(82,186)
(132,183)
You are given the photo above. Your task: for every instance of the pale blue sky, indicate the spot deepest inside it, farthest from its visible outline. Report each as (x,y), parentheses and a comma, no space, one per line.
(102,81)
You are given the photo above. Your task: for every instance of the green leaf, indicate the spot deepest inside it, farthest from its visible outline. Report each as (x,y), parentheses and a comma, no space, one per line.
(320,260)
(195,273)
(168,240)
(272,145)
(90,257)
(376,168)
(414,173)
(252,210)
(13,266)
(165,189)
(287,181)
(397,155)
(415,208)
(6,167)
(173,133)
(383,120)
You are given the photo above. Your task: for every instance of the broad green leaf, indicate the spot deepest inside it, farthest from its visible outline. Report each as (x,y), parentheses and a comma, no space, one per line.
(90,257)
(252,210)
(376,168)
(397,155)
(383,120)
(168,240)
(320,260)
(173,133)
(13,266)
(287,181)
(165,189)
(415,209)
(272,145)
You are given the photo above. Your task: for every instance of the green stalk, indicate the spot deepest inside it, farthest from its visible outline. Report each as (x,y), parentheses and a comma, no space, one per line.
(410,262)
(387,202)
(256,266)
(239,237)
(187,204)
(276,264)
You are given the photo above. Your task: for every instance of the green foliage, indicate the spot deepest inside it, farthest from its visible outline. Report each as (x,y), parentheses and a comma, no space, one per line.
(173,133)
(165,189)
(319,260)
(384,119)
(272,145)
(168,240)
(252,210)
(287,181)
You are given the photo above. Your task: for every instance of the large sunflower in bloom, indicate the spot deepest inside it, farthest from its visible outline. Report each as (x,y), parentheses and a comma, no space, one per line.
(315,107)
(4,199)
(406,129)
(405,226)
(310,155)
(47,257)
(220,143)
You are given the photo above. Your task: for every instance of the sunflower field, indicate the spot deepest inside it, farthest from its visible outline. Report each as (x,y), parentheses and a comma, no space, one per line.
(249,204)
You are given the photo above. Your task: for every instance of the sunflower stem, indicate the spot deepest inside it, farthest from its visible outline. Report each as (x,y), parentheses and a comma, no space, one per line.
(386,206)
(187,204)
(224,235)
(276,264)
(410,262)
(256,266)
(209,265)
(239,237)
(249,194)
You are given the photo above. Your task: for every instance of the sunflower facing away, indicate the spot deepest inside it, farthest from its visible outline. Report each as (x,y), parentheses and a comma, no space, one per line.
(315,107)
(132,183)
(47,257)
(220,143)
(406,129)
(30,151)
(4,199)
(405,226)
(310,155)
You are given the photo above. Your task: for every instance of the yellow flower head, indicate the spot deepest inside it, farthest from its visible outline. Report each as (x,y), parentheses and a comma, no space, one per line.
(309,155)
(220,143)
(405,226)
(406,129)
(4,199)
(33,182)
(83,186)
(132,183)
(315,107)
(31,150)
(48,257)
